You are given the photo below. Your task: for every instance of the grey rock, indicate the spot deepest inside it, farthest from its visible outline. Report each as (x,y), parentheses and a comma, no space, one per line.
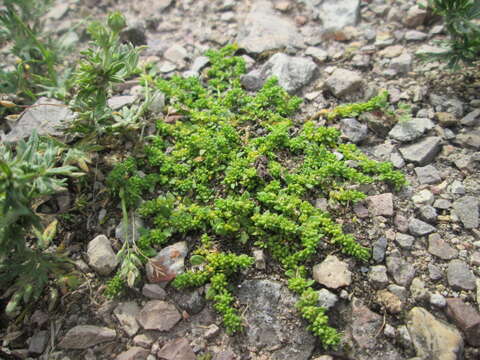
(135,33)
(343,82)
(392,303)
(252,81)
(456,188)
(319,54)
(418,290)
(48,117)
(292,72)
(168,263)
(157,103)
(85,336)
(446,119)
(134,353)
(378,276)
(399,291)
(38,342)
(428,175)
(417,227)
(361,61)
(404,241)
(423,152)
(433,338)
(199,63)
(402,64)
(428,214)
(177,349)
(335,15)
(263,30)
(176,54)
(438,300)
(414,35)
(332,273)
(379,248)
(353,130)
(326,299)
(434,273)
(467,318)
(158,315)
(401,271)
(401,223)
(410,130)
(423,197)
(469,140)
(117,102)
(442,204)
(126,313)
(440,248)
(133,229)
(154,291)
(459,276)
(259,257)
(267,314)
(101,256)
(472,118)
(449,104)
(466,209)
(192,301)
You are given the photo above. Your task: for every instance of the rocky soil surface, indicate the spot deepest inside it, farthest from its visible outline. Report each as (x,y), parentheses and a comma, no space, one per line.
(419,296)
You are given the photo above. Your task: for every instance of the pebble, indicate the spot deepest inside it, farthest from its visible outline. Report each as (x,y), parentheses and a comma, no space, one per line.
(459,276)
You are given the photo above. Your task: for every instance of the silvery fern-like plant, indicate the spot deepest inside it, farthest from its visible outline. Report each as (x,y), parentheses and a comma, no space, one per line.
(27,173)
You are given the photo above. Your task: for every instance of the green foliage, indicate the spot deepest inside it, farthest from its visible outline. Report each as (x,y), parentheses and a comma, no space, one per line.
(461,22)
(37,55)
(106,62)
(26,174)
(235,168)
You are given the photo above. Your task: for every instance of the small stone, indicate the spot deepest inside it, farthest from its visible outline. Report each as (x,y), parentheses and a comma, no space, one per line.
(390,301)
(178,349)
(158,315)
(467,318)
(423,197)
(471,119)
(379,248)
(466,209)
(333,14)
(326,299)
(423,152)
(38,342)
(439,247)
(332,273)
(401,223)
(432,338)
(126,314)
(446,119)
(381,205)
(414,35)
(133,229)
(167,264)
(176,54)
(154,291)
(428,213)
(401,271)
(353,130)
(259,257)
(475,258)
(144,340)
(252,81)
(85,336)
(459,276)
(438,300)
(434,273)
(319,54)
(343,83)
(417,227)
(378,276)
(456,188)
(404,241)
(211,331)
(428,175)
(442,204)
(415,16)
(418,290)
(101,256)
(134,353)
(402,64)
(389,331)
(117,102)
(470,139)
(392,51)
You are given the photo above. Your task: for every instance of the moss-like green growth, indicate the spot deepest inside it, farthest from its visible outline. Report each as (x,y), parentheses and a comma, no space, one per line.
(233,167)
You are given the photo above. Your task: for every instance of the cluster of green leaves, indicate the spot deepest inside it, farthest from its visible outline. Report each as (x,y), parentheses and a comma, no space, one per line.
(106,62)
(352,110)
(461,22)
(236,169)
(26,174)
(36,54)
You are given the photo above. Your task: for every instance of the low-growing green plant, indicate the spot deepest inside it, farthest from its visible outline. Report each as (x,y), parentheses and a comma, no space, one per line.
(461,23)
(105,63)
(233,168)
(26,174)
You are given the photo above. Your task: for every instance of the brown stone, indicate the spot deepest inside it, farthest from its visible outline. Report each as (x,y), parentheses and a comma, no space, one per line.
(134,353)
(466,318)
(438,247)
(85,336)
(158,315)
(381,205)
(390,301)
(332,273)
(178,349)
